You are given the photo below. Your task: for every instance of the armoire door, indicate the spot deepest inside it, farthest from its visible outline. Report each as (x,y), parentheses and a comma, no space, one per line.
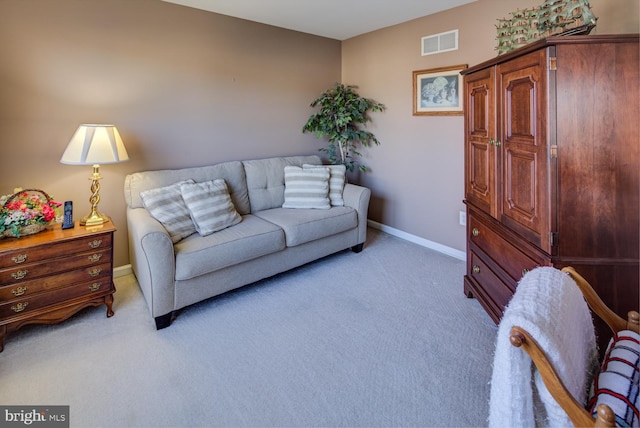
(522,142)
(481,163)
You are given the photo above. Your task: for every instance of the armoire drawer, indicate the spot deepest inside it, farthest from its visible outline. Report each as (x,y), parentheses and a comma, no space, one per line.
(491,285)
(498,247)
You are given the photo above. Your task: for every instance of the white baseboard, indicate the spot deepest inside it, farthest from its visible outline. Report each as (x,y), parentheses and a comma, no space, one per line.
(122,271)
(460,255)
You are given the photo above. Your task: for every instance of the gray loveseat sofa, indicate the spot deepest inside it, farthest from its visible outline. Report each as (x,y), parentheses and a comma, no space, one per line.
(268,240)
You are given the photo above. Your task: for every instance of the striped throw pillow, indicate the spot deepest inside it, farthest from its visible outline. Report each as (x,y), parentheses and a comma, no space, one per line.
(337,178)
(210,206)
(166,205)
(306,188)
(618,383)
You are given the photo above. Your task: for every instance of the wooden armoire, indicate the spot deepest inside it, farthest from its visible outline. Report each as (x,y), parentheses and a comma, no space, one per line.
(552,165)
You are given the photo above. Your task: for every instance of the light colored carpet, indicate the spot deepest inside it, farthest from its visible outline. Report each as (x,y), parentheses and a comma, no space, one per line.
(381,338)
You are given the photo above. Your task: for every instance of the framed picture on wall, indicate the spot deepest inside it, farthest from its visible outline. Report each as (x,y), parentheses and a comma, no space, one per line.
(438,91)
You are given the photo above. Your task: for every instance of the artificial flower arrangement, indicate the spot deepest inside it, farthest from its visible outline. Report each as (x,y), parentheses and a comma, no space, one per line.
(26,212)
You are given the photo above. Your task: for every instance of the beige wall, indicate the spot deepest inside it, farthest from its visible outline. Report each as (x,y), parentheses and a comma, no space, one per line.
(417,171)
(185,87)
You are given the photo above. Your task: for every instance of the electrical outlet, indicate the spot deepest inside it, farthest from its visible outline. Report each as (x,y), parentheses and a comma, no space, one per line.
(463,218)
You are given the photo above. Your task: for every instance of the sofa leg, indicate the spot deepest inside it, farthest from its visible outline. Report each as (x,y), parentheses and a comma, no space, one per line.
(357,248)
(164,321)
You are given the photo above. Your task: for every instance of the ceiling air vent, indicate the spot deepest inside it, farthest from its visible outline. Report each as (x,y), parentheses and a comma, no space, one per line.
(442,42)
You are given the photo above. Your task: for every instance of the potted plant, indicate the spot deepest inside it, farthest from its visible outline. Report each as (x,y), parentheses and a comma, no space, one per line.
(342,116)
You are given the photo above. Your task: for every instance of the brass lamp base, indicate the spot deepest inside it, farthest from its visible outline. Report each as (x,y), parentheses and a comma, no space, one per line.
(94,219)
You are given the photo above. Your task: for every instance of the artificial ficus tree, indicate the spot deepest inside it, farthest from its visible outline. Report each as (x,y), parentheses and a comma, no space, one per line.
(342,117)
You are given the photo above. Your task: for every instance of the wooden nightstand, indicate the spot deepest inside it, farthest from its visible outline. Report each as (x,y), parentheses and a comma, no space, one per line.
(47,277)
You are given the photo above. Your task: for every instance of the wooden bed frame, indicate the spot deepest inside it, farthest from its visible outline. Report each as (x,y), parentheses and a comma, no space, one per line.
(576,412)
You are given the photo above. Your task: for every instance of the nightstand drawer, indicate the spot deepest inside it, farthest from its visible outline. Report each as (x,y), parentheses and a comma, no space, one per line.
(22,306)
(513,262)
(34,270)
(38,253)
(29,288)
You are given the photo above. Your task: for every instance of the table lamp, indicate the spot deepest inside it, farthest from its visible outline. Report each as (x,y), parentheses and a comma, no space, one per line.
(95,145)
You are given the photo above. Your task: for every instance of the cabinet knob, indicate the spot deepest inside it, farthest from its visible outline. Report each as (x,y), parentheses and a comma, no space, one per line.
(95,286)
(19,291)
(498,143)
(491,141)
(476,269)
(19,274)
(20,258)
(475,231)
(94,257)
(19,307)
(94,272)
(95,243)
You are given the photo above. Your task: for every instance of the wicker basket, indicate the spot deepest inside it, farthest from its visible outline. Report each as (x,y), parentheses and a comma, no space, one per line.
(29,229)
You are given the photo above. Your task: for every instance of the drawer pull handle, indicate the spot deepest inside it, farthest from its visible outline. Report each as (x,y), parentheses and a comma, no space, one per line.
(19,291)
(20,258)
(95,286)
(525,271)
(95,243)
(19,274)
(476,269)
(19,307)
(94,272)
(475,231)
(94,257)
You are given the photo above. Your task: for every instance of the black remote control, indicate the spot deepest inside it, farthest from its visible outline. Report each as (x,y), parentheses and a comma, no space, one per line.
(68,215)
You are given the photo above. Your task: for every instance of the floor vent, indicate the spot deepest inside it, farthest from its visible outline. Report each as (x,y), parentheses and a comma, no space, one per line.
(442,42)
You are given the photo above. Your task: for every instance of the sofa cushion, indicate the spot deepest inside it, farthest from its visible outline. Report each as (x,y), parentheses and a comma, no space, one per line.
(249,239)
(618,383)
(306,188)
(232,172)
(302,226)
(210,206)
(166,205)
(265,179)
(338,175)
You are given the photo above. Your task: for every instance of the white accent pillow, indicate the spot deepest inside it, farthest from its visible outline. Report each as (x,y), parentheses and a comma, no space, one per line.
(210,206)
(166,205)
(338,174)
(306,188)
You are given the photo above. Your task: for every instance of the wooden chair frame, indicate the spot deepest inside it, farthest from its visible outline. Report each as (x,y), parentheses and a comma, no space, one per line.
(579,416)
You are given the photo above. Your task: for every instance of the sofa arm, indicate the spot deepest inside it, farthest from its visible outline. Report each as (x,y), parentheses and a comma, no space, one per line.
(152,259)
(357,197)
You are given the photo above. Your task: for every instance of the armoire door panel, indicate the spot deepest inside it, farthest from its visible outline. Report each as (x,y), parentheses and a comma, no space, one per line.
(520,109)
(480,175)
(520,191)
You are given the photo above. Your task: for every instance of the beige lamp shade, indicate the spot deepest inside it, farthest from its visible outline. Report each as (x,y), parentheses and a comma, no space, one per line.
(95,144)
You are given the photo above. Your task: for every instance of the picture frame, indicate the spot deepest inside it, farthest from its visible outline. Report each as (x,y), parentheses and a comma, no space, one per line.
(438,91)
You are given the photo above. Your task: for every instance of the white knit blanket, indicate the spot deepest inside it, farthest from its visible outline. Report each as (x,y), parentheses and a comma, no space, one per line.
(549,305)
